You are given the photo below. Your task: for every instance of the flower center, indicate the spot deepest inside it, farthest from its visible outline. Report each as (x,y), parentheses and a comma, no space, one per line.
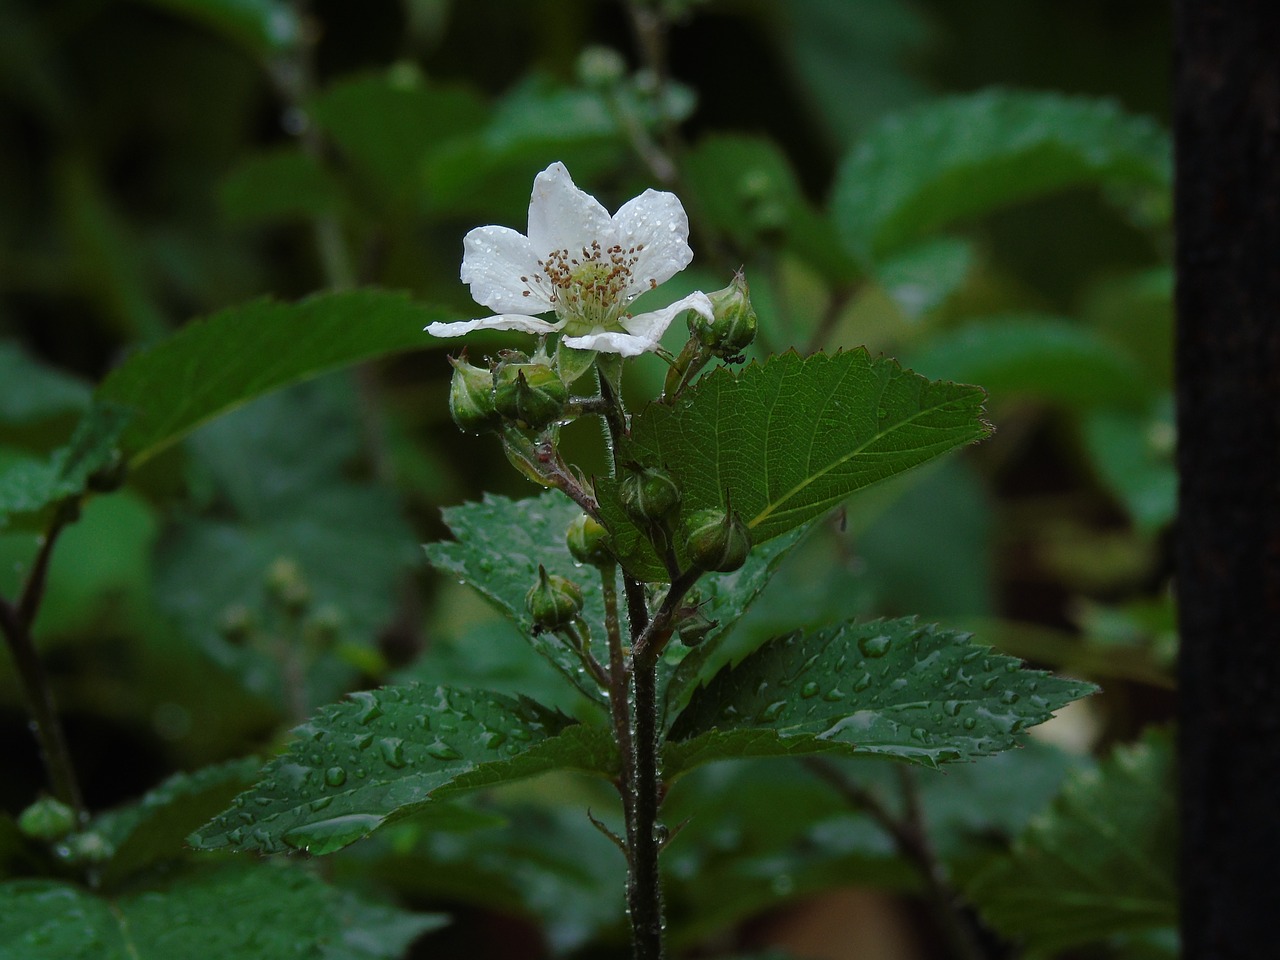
(590,289)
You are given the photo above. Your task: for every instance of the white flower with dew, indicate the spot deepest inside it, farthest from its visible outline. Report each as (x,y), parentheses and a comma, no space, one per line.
(581,264)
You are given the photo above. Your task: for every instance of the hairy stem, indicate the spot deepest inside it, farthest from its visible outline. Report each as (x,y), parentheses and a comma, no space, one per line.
(910,835)
(16,620)
(644,885)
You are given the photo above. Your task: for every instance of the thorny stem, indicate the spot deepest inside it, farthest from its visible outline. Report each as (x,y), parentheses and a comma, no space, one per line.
(578,644)
(910,835)
(16,620)
(548,467)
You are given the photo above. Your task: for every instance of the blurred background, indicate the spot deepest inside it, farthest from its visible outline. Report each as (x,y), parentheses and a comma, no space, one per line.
(163,159)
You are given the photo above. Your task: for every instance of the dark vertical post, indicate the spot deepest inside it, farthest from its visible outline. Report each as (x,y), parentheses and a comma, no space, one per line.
(1228,565)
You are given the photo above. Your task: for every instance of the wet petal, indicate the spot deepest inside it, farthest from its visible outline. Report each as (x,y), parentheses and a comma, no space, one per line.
(562,217)
(656,223)
(500,267)
(506,321)
(644,330)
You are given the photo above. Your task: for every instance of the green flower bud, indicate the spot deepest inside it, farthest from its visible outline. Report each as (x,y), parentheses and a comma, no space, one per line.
(471,398)
(554,602)
(531,393)
(589,542)
(287,585)
(717,540)
(600,67)
(47,819)
(694,628)
(87,848)
(649,495)
(734,326)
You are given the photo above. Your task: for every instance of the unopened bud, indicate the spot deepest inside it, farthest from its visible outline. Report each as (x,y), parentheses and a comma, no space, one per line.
(600,67)
(649,495)
(286,583)
(734,326)
(531,393)
(717,540)
(554,602)
(471,398)
(236,623)
(589,542)
(694,628)
(47,819)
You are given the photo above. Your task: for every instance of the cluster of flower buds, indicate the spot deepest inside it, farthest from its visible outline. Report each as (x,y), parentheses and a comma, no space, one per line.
(528,393)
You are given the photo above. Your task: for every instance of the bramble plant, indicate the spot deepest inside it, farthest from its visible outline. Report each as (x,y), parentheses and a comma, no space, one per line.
(730,630)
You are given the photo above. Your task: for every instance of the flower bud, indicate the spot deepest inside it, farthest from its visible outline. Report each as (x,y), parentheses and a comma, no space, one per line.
(694,628)
(717,540)
(600,67)
(589,542)
(734,326)
(649,495)
(471,398)
(287,585)
(554,601)
(47,819)
(531,393)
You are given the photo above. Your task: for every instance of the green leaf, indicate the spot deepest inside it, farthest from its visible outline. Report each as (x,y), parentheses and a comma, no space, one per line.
(970,155)
(155,828)
(28,488)
(231,912)
(1101,861)
(892,688)
(214,365)
(923,276)
(383,755)
(261,26)
(787,440)
(1048,358)
(31,391)
(1132,451)
(279,185)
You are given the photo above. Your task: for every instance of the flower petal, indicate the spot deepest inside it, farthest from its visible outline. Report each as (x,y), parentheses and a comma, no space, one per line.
(500,267)
(657,224)
(644,330)
(562,217)
(506,321)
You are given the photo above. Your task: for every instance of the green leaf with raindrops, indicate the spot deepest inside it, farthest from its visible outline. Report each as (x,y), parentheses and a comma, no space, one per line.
(784,441)
(1100,862)
(888,688)
(500,543)
(381,755)
(251,910)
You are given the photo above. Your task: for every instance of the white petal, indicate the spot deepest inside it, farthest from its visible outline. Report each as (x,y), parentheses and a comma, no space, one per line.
(500,267)
(655,222)
(562,217)
(644,330)
(506,321)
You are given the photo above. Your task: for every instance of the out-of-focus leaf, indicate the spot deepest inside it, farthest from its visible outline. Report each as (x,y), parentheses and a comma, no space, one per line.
(892,688)
(1133,454)
(383,755)
(214,365)
(1101,861)
(970,155)
(263,911)
(787,440)
(29,488)
(922,277)
(31,391)
(283,184)
(1044,357)
(264,27)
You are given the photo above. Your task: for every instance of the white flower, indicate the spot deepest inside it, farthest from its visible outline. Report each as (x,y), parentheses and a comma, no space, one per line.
(581,264)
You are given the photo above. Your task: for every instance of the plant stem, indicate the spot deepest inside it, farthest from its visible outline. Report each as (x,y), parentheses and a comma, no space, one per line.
(15,622)
(911,836)
(644,885)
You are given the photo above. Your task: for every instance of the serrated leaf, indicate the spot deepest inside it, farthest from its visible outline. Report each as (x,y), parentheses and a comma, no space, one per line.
(501,542)
(891,688)
(28,488)
(213,365)
(279,185)
(155,828)
(1101,861)
(380,756)
(261,26)
(787,440)
(231,912)
(970,155)
(1045,357)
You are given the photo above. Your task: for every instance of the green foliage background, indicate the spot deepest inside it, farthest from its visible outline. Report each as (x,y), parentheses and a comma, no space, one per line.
(978,189)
